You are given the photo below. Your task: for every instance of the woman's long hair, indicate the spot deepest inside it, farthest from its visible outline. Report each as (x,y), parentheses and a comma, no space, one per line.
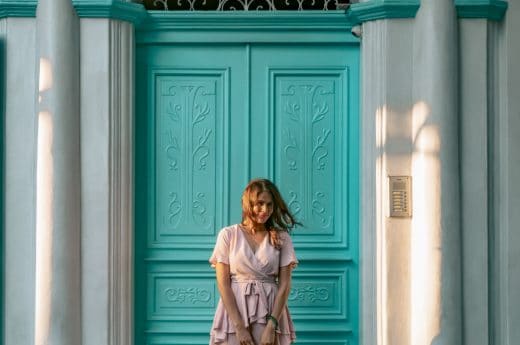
(281,218)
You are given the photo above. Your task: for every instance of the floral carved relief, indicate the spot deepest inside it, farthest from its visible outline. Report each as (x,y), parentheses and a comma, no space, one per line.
(190,295)
(189,125)
(307,132)
(309,293)
(294,204)
(174,209)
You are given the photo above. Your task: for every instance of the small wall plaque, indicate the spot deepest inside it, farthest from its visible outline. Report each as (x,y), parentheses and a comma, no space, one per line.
(400,192)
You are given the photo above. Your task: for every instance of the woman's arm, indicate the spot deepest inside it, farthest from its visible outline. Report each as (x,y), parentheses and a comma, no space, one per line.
(284,287)
(230,304)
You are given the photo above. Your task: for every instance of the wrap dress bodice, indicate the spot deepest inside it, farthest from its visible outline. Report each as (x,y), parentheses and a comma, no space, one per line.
(253,281)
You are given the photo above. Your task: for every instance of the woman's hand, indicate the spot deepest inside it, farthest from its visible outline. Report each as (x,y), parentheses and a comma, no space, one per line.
(268,336)
(244,337)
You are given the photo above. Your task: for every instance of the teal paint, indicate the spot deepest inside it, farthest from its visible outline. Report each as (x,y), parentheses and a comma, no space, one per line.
(18,8)
(2,189)
(382,9)
(245,20)
(140,204)
(113,9)
(203,106)
(485,9)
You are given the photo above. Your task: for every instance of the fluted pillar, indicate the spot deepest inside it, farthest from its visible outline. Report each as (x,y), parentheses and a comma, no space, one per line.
(107,84)
(410,127)
(387,147)
(435,242)
(58,214)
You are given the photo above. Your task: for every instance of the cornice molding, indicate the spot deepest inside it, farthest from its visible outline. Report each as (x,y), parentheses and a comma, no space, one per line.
(484,9)
(18,8)
(113,9)
(382,9)
(247,20)
(245,27)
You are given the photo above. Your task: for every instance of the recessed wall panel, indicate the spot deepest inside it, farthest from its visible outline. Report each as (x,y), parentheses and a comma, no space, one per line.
(175,295)
(309,150)
(188,156)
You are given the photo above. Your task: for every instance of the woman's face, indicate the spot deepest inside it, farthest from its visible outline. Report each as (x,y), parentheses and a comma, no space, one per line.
(263,208)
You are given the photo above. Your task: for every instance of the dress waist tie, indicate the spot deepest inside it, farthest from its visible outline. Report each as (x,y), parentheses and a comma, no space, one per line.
(255,287)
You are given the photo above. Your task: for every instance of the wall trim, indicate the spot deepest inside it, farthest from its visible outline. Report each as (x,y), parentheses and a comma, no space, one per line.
(121,186)
(382,9)
(113,9)
(372,175)
(486,9)
(258,20)
(243,26)
(18,8)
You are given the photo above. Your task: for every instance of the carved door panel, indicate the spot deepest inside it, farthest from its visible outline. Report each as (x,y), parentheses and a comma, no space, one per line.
(208,119)
(307,108)
(189,171)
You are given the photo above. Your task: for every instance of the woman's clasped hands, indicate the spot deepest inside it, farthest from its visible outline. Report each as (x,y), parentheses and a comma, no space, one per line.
(268,336)
(243,336)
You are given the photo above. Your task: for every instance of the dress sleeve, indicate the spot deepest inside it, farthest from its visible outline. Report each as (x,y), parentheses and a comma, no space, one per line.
(221,250)
(287,254)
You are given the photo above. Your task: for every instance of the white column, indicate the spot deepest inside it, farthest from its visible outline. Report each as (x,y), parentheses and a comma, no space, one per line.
(107,116)
(475,191)
(435,244)
(58,214)
(387,148)
(411,267)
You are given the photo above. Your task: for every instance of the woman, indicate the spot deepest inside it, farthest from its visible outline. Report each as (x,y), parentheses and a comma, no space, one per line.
(253,262)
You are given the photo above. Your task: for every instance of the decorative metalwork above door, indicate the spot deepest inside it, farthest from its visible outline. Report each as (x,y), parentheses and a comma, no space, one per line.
(245,5)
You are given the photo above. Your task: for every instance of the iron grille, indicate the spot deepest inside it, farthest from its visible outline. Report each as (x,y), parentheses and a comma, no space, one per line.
(245,5)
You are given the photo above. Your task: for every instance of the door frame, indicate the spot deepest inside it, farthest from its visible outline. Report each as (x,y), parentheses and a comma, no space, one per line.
(284,27)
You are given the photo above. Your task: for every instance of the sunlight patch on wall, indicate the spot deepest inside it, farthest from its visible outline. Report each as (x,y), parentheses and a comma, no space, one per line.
(381,118)
(45,81)
(44,224)
(381,190)
(44,215)
(426,229)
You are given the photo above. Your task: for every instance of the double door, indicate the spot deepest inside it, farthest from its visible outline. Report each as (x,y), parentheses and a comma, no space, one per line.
(209,118)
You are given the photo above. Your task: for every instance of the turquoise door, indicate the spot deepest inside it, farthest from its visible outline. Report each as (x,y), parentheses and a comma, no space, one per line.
(214,110)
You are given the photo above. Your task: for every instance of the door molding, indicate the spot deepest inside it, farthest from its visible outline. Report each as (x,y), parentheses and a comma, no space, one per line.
(254,27)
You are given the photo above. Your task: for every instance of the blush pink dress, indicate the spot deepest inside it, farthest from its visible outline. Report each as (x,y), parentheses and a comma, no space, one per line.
(253,281)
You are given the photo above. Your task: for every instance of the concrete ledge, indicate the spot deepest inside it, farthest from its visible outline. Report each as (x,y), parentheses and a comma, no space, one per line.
(382,9)
(487,9)
(113,9)
(18,8)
